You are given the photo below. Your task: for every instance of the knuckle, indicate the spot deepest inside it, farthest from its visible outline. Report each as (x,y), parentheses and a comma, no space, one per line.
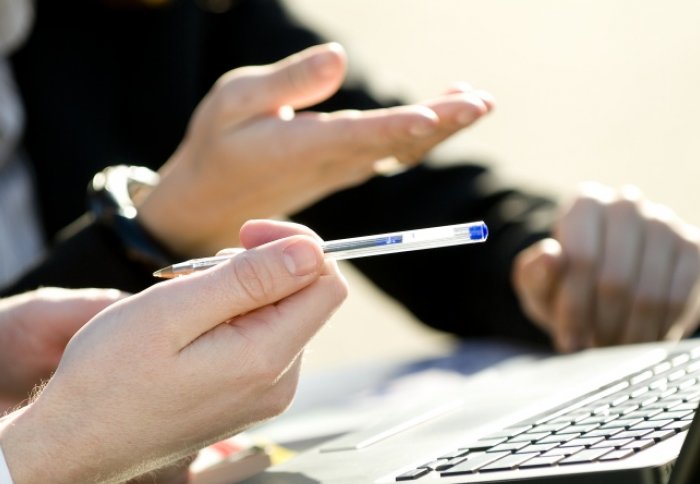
(648,305)
(612,289)
(624,208)
(252,279)
(340,291)
(234,92)
(584,261)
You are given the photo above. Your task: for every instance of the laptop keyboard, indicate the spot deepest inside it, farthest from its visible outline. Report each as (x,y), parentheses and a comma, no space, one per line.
(610,424)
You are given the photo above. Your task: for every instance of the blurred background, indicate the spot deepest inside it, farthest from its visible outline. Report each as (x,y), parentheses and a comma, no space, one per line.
(585,90)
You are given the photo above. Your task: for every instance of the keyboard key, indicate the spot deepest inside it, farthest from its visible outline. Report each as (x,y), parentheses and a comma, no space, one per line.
(622,423)
(558,438)
(565,451)
(484,444)
(578,429)
(583,441)
(537,448)
(638,392)
(686,406)
(542,461)
(617,455)
(632,434)
(412,474)
(603,432)
(597,419)
(529,437)
(662,367)
(651,424)
(585,456)
(640,377)
(508,447)
(627,409)
(614,443)
(638,445)
(473,462)
(673,415)
(645,413)
(456,453)
(680,359)
(667,404)
(687,383)
(619,400)
(446,464)
(552,427)
(660,435)
(506,463)
(678,425)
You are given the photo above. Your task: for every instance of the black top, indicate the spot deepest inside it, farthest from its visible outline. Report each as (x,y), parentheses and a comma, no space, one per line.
(105,86)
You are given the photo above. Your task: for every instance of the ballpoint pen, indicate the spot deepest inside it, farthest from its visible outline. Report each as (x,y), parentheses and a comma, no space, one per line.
(371,245)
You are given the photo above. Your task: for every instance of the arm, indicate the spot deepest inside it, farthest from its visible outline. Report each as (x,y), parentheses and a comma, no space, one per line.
(246,155)
(215,352)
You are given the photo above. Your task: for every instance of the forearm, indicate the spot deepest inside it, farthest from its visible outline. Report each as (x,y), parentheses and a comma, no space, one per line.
(38,448)
(25,455)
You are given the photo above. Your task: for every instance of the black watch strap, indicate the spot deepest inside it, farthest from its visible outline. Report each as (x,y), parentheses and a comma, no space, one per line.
(111,195)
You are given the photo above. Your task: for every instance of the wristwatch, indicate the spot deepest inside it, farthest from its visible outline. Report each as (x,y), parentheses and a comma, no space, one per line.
(113,195)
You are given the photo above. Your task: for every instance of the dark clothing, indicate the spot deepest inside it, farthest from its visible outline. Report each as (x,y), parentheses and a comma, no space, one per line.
(105,86)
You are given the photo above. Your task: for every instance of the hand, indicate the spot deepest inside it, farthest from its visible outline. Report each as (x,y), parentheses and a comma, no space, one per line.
(34,330)
(180,365)
(247,154)
(619,269)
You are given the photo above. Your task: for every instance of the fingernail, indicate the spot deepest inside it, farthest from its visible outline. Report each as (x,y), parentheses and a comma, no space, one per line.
(465,117)
(487,98)
(324,64)
(300,258)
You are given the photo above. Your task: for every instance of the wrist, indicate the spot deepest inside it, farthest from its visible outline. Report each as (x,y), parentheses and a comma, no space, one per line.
(114,195)
(5,476)
(183,230)
(19,456)
(39,449)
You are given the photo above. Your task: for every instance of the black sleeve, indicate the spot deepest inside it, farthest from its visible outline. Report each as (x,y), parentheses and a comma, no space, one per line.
(465,290)
(92,255)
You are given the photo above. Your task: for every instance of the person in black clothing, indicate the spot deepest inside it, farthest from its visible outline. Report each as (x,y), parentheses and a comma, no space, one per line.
(128,99)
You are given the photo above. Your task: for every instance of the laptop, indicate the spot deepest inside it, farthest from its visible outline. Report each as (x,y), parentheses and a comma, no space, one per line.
(613,415)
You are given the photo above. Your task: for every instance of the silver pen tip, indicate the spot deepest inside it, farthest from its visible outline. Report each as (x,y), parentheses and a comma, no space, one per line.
(165,273)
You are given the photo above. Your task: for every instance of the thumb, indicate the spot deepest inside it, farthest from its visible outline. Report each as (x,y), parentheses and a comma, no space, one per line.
(536,273)
(300,80)
(252,279)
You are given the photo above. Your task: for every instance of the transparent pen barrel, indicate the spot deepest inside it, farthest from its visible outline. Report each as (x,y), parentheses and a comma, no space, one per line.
(406,241)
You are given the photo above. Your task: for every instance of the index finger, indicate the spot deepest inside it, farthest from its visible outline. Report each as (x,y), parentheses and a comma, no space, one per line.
(580,235)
